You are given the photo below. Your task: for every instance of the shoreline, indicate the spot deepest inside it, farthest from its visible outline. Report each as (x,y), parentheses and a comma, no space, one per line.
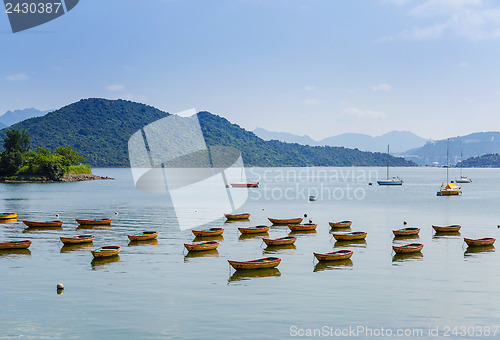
(67,178)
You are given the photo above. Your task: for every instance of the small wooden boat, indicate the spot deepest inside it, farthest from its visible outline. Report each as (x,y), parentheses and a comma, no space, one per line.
(266,262)
(254,230)
(406,231)
(143,236)
(77,239)
(341,224)
(243,216)
(357,235)
(449,228)
(208,232)
(208,245)
(285,220)
(106,251)
(487,241)
(24,244)
(334,255)
(408,248)
(101,221)
(35,224)
(7,216)
(279,241)
(302,227)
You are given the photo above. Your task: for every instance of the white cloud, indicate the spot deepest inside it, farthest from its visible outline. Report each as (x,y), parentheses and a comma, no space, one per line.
(438,7)
(309,88)
(365,114)
(115,88)
(381,88)
(17,77)
(311,101)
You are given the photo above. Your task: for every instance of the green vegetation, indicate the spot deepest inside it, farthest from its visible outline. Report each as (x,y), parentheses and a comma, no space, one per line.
(491,160)
(18,161)
(99,129)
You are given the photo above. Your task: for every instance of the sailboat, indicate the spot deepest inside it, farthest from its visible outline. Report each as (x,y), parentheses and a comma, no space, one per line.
(393,180)
(450,189)
(245,184)
(462,179)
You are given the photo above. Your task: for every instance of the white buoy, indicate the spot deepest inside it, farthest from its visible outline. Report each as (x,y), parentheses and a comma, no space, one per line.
(116,212)
(60,286)
(57,215)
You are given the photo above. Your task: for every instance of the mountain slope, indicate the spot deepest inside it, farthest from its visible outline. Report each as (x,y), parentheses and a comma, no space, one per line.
(16,116)
(100,129)
(485,161)
(284,137)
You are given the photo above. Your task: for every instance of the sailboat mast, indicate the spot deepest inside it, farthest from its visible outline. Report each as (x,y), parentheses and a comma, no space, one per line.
(461,164)
(447,158)
(388,161)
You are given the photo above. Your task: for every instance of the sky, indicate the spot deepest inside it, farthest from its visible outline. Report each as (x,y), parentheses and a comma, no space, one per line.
(315,67)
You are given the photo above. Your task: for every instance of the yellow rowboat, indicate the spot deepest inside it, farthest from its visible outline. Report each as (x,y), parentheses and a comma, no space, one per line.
(254,230)
(208,245)
(101,221)
(279,241)
(487,241)
(24,244)
(302,227)
(266,262)
(285,221)
(237,216)
(357,235)
(446,229)
(408,248)
(7,216)
(334,255)
(341,224)
(106,251)
(77,239)
(144,236)
(406,231)
(208,232)
(34,224)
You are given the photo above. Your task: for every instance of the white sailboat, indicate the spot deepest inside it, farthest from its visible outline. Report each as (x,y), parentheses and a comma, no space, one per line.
(390,181)
(450,189)
(462,179)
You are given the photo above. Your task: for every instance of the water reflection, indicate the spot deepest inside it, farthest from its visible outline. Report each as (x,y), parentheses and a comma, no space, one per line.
(248,274)
(277,249)
(333,265)
(72,247)
(143,243)
(341,229)
(302,232)
(94,227)
(252,236)
(446,234)
(32,229)
(474,250)
(244,220)
(405,237)
(351,243)
(418,256)
(201,253)
(218,238)
(7,252)
(12,221)
(101,261)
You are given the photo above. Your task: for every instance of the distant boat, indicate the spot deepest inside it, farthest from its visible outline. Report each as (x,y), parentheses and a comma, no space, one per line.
(7,216)
(406,231)
(101,221)
(341,224)
(408,248)
(246,184)
(254,230)
(266,262)
(280,241)
(302,227)
(77,239)
(462,179)
(24,244)
(334,255)
(242,216)
(450,189)
(106,251)
(312,198)
(143,236)
(208,232)
(201,246)
(393,180)
(357,235)
(487,241)
(55,223)
(447,229)
(285,220)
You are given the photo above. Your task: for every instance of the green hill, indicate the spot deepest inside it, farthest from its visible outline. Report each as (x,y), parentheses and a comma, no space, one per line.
(99,129)
(485,161)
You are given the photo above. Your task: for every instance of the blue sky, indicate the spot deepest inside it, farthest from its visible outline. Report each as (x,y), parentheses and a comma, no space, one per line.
(316,67)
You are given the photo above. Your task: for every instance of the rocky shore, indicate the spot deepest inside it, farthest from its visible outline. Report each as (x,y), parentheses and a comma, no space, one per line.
(66,178)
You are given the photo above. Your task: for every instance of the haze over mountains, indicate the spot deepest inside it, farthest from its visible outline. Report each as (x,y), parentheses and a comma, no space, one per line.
(12,117)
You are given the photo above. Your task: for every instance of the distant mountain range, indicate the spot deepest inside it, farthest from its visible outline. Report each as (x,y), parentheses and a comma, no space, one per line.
(473,145)
(400,141)
(12,117)
(100,129)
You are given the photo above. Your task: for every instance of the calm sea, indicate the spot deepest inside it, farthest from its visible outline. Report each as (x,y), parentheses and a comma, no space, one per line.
(155,291)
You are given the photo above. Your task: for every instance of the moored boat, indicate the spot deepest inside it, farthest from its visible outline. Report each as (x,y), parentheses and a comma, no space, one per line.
(254,230)
(247,184)
(208,232)
(243,216)
(302,227)
(486,241)
(357,235)
(55,223)
(285,220)
(450,189)
(334,255)
(143,236)
(99,221)
(408,248)
(340,224)
(406,231)
(77,239)
(7,216)
(23,244)
(279,241)
(390,181)
(266,262)
(208,245)
(449,228)
(106,251)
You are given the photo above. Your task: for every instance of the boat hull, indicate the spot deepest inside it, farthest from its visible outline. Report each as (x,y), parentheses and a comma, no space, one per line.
(406,231)
(280,241)
(334,255)
(447,229)
(104,221)
(7,216)
(237,216)
(77,239)
(254,230)
(350,236)
(24,244)
(144,236)
(43,224)
(285,220)
(341,224)
(389,182)
(208,232)
(487,241)
(245,185)
(302,227)
(106,251)
(201,246)
(408,248)
(268,262)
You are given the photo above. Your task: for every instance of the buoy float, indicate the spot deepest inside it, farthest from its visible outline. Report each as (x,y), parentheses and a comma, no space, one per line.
(60,286)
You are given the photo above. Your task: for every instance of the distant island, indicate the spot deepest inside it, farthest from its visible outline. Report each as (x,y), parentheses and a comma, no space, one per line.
(99,130)
(484,161)
(19,164)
